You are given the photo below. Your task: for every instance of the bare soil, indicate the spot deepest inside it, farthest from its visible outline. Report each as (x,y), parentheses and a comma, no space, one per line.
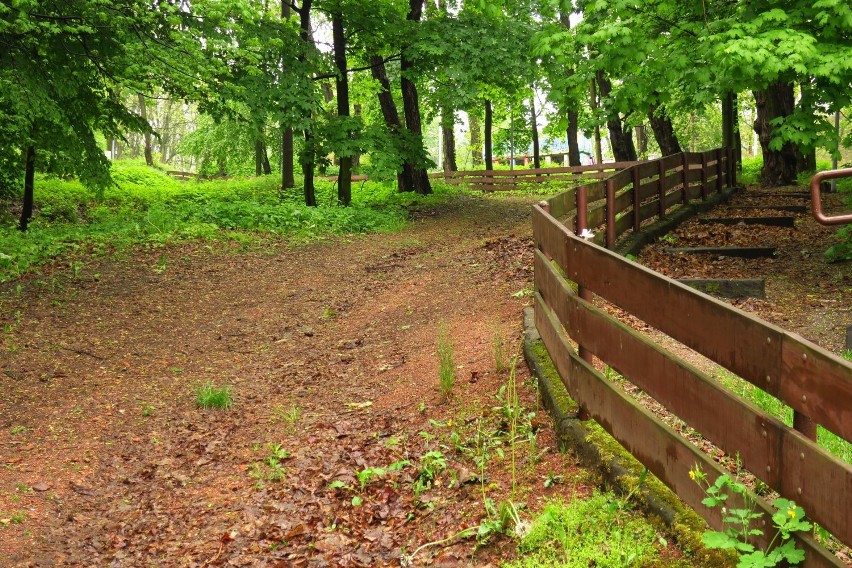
(330,350)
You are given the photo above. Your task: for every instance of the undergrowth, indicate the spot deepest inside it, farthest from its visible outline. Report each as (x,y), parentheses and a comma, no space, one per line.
(147,207)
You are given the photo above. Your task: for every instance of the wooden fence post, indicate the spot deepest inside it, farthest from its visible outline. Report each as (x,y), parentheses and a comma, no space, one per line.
(719,170)
(732,167)
(637,202)
(685,162)
(704,175)
(662,189)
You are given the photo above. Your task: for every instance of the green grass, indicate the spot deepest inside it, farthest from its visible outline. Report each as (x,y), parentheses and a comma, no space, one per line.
(597,531)
(209,395)
(834,444)
(146,207)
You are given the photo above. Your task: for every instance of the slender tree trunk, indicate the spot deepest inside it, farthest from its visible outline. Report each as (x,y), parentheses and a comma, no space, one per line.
(571,111)
(593,98)
(805,155)
(143,112)
(307,157)
(29,188)
(405,178)
(475,139)
(264,159)
(534,124)
(288,177)
(663,129)
(738,141)
(411,102)
(258,157)
(641,141)
(489,159)
(344,178)
(166,133)
(620,136)
(779,166)
(448,136)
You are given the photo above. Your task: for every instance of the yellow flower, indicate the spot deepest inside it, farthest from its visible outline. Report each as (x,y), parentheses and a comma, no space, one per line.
(792,513)
(691,475)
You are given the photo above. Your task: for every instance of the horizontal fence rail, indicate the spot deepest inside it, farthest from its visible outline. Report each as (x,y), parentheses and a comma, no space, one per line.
(570,271)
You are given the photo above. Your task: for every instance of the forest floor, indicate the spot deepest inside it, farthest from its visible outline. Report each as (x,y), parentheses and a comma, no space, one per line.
(330,352)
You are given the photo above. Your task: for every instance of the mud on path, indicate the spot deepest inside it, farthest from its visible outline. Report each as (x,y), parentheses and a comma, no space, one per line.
(330,351)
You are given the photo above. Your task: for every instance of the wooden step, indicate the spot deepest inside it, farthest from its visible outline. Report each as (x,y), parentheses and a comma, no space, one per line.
(739,252)
(729,287)
(769,221)
(790,208)
(792,194)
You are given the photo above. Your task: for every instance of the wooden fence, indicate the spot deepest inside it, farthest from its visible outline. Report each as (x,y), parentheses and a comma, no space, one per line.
(570,271)
(503,180)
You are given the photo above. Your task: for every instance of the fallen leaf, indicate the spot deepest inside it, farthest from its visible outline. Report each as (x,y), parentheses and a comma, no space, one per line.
(365,404)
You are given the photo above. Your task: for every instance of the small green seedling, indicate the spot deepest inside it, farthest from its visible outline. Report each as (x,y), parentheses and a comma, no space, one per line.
(209,395)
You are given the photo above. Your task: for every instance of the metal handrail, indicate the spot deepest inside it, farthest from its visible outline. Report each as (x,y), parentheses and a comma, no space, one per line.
(816,198)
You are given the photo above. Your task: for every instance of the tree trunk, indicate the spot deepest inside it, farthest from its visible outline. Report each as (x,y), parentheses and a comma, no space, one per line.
(288,174)
(779,166)
(663,129)
(641,141)
(738,141)
(405,178)
(620,136)
(356,159)
(166,133)
(143,112)
(411,103)
(448,136)
(307,157)
(344,177)
(29,188)
(534,120)
(258,160)
(593,98)
(475,139)
(489,159)
(264,159)
(573,138)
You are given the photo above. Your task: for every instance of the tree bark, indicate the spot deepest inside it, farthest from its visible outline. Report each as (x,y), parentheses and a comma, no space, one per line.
(593,98)
(307,157)
(534,121)
(641,141)
(344,177)
(411,103)
(779,166)
(448,136)
(405,178)
(29,188)
(663,129)
(288,174)
(620,136)
(489,159)
(264,159)
(475,139)
(258,157)
(572,111)
(143,112)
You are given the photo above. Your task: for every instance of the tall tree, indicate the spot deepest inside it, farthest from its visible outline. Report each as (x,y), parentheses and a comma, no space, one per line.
(411,102)
(288,178)
(344,178)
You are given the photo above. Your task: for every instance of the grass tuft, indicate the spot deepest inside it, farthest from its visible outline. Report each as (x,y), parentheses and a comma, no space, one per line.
(209,395)
(447,369)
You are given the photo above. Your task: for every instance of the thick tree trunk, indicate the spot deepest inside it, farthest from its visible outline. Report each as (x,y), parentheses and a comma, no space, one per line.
(663,129)
(475,139)
(143,112)
(307,158)
(288,177)
(489,119)
(593,98)
(620,136)
(344,178)
(573,138)
(29,188)
(405,178)
(641,141)
(534,121)
(448,137)
(779,166)
(411,103)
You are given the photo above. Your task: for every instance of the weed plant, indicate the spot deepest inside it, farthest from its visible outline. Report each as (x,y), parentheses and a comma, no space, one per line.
(498,350)
(209,395)
(446,361)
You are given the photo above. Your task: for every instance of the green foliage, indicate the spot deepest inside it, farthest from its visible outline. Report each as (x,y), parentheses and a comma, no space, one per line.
(209,395)
(587,532)
(740,524)
(271,468)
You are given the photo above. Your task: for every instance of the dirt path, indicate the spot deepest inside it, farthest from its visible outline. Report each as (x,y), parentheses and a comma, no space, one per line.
(330,349)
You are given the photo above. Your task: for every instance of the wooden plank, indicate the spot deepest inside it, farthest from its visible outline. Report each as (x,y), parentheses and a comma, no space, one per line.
(610,166)
(737,252)
(765,444)
(649,210)
(623,201)
(563,203)
(694,175)
(648,169)
(648,189)
(728,287)
(769,221)
(790,208)
(622,179)
(623,224)
(597,216)
(662,450)
(595,191)
(674,180)
(740,342)
(673,198)
(672,162)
